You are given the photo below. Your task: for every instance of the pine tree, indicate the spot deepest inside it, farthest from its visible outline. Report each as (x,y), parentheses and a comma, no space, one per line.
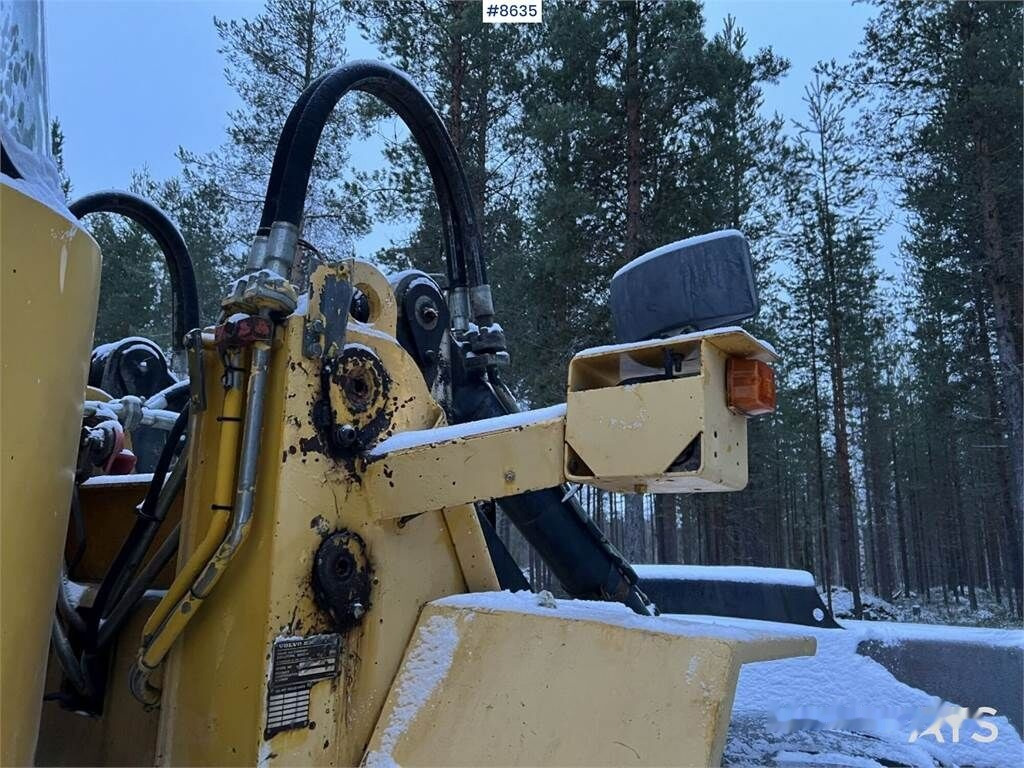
(734,164)
(606,122)
(270,59)
(832,243)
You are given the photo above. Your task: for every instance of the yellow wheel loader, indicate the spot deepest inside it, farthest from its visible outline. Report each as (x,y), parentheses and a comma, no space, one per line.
(301,572)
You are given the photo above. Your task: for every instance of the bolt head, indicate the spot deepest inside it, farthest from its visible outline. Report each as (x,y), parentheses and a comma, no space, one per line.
(345,434)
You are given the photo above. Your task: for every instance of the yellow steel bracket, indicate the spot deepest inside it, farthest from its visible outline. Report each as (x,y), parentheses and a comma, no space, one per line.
(651,417)
(631,428)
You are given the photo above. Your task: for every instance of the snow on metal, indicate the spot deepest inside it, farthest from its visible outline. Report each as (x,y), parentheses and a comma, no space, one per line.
(40,179)
(894,632)
(615,614)
(422,672)
(418,437)
(765,352)
(740,573)
(690,241)
(143,478)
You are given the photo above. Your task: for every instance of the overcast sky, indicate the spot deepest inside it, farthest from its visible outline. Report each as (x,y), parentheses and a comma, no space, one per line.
(132,80)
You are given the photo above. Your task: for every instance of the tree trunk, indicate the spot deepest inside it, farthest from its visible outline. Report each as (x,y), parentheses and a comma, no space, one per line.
(665,520)
(633,532)
(849,543)
(826,547)
(456,72)
(1001,529)
(998,273)
(633,148)
(478,175)
(901,526)
(878,479)
(309,52)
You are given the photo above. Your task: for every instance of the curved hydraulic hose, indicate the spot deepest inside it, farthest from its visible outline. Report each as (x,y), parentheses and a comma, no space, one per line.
(258,249)
(284,145)
(463,248)
(167,236)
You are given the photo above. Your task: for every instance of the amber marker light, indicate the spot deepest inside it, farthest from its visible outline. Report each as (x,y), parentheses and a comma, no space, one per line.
(749,386)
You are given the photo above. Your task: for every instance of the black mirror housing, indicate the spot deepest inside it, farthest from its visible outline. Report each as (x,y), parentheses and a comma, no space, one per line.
(691,285)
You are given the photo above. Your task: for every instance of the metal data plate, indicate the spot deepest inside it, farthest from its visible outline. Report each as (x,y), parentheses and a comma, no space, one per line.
(297,664)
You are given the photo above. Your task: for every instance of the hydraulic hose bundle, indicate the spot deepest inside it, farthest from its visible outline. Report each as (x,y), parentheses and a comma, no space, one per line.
(254,306)
(285,201)
(274,248)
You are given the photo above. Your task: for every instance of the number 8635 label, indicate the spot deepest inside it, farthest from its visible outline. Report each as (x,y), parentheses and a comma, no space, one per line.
(506,12)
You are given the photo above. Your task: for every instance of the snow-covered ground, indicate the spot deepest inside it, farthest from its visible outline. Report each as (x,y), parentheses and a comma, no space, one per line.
(839,708)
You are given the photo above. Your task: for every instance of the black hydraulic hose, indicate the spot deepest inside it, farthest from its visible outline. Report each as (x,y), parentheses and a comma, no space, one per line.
(505,566)
(284,145)
(171,243)
(65,608)
(68,660)
(137,589)
(395,88)
(136,544)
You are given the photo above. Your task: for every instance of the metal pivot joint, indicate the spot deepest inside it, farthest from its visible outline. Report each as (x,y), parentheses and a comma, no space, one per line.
(341,578)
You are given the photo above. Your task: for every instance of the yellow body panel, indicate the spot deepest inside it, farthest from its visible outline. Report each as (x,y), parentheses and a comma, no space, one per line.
(623,437)
(50,270)
(563,684)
